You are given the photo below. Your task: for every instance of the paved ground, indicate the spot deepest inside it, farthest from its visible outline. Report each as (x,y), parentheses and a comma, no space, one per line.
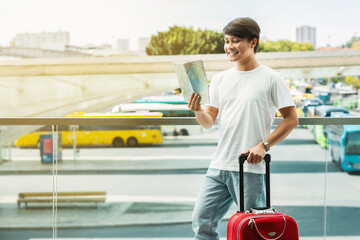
(124,211)
(302,238)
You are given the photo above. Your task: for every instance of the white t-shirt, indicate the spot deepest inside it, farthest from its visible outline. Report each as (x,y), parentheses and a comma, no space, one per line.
(247,102)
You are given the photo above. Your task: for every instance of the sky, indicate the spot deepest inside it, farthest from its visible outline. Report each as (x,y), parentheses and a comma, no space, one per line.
(102,21)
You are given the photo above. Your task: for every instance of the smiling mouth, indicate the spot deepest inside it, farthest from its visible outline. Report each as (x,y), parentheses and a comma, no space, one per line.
(232,53)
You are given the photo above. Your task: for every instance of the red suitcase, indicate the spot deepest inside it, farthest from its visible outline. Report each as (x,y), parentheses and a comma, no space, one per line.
(263,223)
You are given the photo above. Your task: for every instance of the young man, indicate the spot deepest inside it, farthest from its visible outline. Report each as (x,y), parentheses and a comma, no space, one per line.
(243,101)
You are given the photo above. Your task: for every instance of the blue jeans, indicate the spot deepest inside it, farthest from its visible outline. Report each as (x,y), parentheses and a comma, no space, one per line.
(217,193)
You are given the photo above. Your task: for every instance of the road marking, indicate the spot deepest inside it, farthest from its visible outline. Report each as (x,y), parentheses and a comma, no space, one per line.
(301,238)
(12,199)
(129,158)
(164,199)
(123,198)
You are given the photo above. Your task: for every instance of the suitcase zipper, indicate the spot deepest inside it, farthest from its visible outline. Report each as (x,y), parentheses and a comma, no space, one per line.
(241,222)
(252,218)
(233,222)
(231,226)
(235,219)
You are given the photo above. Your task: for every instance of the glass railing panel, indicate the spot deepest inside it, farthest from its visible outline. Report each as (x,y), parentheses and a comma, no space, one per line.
(297,176)
(26,180)
(146,175)
(157,184)
(154,185)
(343,181)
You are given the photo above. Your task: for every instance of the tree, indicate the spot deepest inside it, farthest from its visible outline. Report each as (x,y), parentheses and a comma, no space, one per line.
(182,41)
(353,81)
(284,46)
(349,43)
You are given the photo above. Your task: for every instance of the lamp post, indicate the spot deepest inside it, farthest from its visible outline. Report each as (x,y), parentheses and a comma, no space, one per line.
(329,37)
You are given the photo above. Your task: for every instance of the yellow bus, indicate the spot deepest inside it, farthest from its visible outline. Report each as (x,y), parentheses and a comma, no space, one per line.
(86,136)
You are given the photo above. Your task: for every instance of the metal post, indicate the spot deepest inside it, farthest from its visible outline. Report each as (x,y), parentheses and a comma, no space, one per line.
(9,153)
(1,153)
(74,128)
(55,138)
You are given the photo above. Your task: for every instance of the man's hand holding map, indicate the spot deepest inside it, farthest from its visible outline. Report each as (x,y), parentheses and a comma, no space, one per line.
(192,78)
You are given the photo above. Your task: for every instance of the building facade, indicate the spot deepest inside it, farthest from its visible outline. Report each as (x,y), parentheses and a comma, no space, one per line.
(142,43)
(44,40)
(122,45)
(306,34)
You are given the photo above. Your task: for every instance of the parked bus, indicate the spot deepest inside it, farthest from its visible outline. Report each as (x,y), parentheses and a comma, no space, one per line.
(168,110)
(181,111)
(344,145)
(338,97)
(170,98)
(347,99)
(326,95)
(320,131)
(116,136)
(304,87)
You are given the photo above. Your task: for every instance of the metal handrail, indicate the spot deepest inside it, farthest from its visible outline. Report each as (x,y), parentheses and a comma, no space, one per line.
(97,121)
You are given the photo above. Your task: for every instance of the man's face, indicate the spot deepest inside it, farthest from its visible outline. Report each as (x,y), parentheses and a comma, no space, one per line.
(238,49)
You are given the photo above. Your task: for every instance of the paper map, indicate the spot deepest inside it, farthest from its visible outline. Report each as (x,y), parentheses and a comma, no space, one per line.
(192,78)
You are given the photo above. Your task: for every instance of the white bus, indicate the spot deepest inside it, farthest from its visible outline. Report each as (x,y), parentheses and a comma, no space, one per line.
(168,110)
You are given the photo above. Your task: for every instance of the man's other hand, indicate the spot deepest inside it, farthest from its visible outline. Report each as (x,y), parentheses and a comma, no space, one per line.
(256,153)
(194,102)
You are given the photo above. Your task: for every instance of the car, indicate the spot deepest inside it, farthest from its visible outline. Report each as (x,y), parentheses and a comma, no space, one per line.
(326,110)
(310,102)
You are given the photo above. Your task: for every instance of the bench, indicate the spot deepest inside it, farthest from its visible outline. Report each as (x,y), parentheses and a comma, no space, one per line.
(47,197)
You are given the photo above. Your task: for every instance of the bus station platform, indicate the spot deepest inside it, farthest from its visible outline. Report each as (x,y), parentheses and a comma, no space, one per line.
(153,211)
(301,238)
(106,167)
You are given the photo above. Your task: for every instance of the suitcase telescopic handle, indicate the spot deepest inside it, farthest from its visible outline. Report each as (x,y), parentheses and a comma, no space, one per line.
(242,159)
